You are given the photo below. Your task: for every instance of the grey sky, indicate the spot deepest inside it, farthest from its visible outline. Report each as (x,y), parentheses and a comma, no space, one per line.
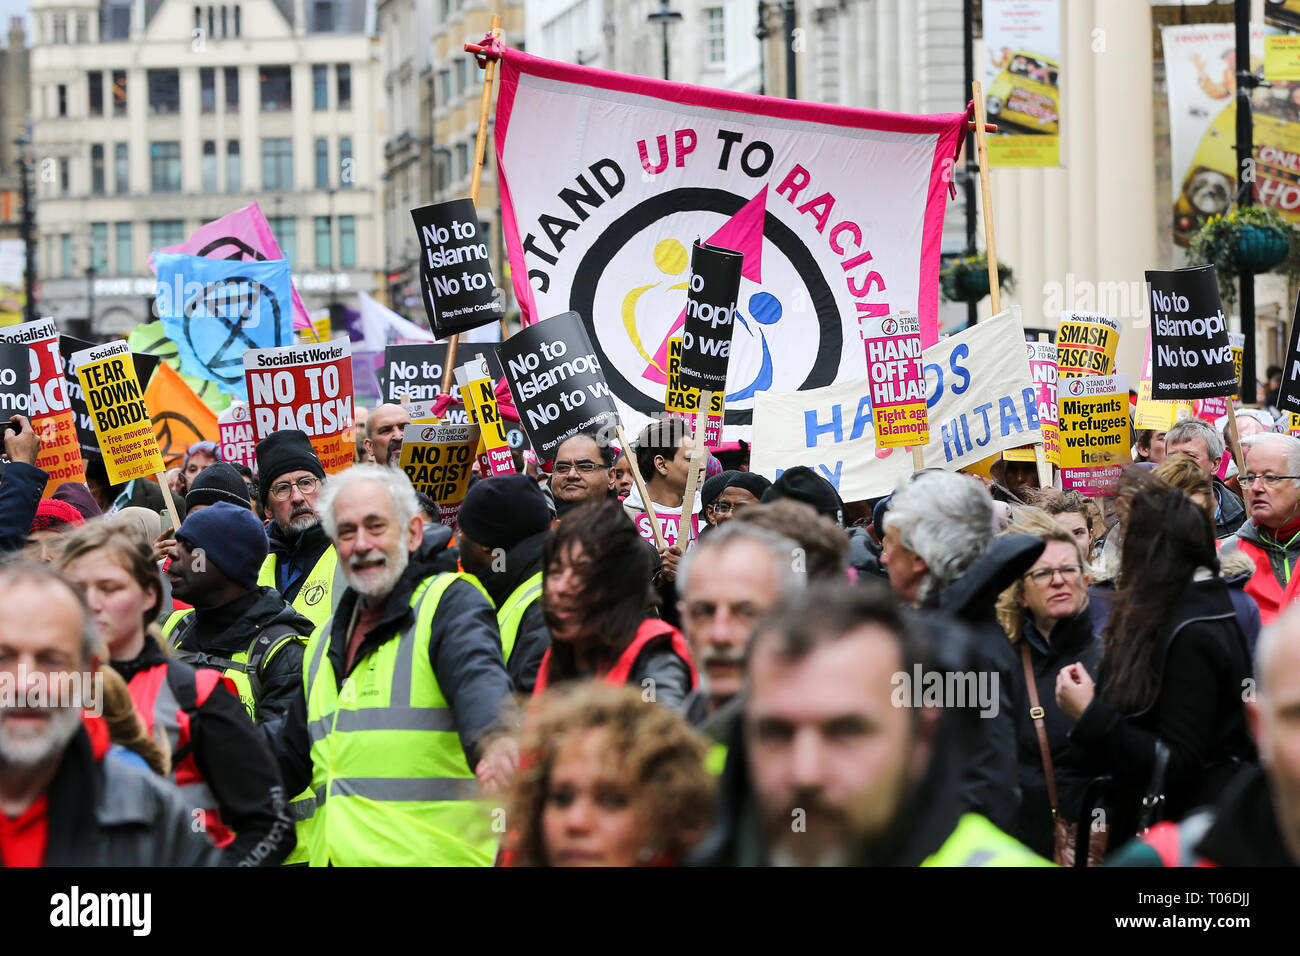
(14,8)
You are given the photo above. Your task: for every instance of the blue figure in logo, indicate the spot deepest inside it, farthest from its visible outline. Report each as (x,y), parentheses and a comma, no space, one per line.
(764,309)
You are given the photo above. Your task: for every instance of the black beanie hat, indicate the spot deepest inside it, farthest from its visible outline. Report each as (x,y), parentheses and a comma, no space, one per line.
(752,482)
(803,484)
(715,486)
(282,452)
(500,512)
(232,539)
(218,482)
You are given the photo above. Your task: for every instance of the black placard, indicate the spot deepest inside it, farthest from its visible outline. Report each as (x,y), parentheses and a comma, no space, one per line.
(416,370)
(15,380)
(710,316)
(1288,396)
(459,292)
(557,383)
(1190,354)
(145,365)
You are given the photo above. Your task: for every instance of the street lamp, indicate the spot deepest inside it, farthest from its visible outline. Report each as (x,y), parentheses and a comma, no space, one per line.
(664,16)
(90,296)
(28,224)
(763,32)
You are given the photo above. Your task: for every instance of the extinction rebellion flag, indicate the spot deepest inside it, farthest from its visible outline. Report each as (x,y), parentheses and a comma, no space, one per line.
(837,211)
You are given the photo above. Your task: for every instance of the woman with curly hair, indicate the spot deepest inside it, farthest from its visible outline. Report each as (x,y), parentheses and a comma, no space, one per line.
(606,779)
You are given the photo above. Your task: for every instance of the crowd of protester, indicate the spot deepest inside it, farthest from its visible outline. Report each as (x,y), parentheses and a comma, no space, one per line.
(970,671)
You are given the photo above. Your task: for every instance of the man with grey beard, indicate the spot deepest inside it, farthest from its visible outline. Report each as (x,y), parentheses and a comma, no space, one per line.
(404,690)
(64,799)
(301,563)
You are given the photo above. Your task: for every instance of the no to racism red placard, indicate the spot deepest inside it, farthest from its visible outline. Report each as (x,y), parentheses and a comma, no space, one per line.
(50,411)
(308,387)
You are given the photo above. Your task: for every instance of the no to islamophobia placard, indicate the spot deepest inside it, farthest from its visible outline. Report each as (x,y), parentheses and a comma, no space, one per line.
(1191,354)
(710,316)
(455,268)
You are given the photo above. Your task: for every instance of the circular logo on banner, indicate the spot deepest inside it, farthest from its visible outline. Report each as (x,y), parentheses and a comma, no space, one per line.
(230,249)
(313,594)
(889,326)
(238,412)
(1076,387)
(428,433)
(515,438)
(801,323)
(230,302)
(1029,349)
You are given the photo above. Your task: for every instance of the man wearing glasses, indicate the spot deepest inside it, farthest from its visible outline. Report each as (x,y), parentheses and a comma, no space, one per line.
(302,564)
(1270,536)
(581,471)
(1203,442)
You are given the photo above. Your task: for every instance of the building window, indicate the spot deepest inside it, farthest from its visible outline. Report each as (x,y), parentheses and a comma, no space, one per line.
(208,90)
(212,23)
(347,169)
(322,164)
(277,163)
(324,243)
(285,230)
(462,160)
(119,22)
(65,176)
(122,253)
(119,92)
(343,73)
(60,28)
(165,167)
(236,19)
(166,232)
(231,80)
(63,99)
(65,254)
(225,21)
(277,88)
(121,170)
(232,166)
(320,87)
(96,93)
(444,84)
(164,91)
(462,76)
(97,170)
(99,247)
(83,28)
(324,16)
(198,19)
(209,166)
(715,36)
(347,242)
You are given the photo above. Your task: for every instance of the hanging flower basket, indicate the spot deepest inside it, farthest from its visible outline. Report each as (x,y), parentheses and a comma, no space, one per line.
(1254,238)
(1261,248)
(967,280)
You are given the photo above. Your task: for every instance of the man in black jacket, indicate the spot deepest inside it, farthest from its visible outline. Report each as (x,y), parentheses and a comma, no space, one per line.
(372,515)
(64,799)
(504,522)
(941,556)
(21,486)
(1203,442)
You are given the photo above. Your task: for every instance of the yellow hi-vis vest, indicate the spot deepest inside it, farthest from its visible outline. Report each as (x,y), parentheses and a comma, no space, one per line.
(320,591)
(512,612)
(236,667)
(977,842)
(392,784)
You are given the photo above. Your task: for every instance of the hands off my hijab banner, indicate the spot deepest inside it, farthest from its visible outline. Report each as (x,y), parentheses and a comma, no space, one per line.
(837,211)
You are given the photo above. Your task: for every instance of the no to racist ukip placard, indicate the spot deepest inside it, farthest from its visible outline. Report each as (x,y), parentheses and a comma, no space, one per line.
(1094,433)
(307,387)
(893,345)
(438,459)
(51,412)
(117,410)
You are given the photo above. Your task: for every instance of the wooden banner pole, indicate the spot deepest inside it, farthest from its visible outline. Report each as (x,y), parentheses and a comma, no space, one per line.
(640,487)
(699,462)
(480,147)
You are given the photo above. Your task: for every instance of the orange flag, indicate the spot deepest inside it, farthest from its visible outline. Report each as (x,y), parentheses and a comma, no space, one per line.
(179,416)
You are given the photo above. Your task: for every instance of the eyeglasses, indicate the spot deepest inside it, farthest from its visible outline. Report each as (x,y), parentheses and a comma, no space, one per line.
(1270,481)
(727,507)
(584,467)
(1069,574)
(282,490)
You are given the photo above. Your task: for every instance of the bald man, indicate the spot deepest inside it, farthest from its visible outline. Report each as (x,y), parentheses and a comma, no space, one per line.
(384,433)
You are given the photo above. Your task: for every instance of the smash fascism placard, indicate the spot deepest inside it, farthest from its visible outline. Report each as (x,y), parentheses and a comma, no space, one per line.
(1086,343)
(307,387)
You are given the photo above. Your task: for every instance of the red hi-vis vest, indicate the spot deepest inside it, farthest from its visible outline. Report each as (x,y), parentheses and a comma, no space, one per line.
(651,629)
(169,696)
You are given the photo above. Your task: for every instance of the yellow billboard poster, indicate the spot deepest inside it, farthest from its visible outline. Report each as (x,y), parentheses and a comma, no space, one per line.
(1022,81)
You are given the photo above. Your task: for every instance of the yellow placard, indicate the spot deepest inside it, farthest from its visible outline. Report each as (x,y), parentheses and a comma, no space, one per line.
(439,459)
(1086,343)
(1156,413)
(480,400)
(1094,432)
(118,412)
(1282,57)
(1024,150)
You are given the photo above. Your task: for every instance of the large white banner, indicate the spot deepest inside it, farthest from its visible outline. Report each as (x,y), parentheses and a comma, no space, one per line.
(981,397)
(1200,67)
(608,179)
